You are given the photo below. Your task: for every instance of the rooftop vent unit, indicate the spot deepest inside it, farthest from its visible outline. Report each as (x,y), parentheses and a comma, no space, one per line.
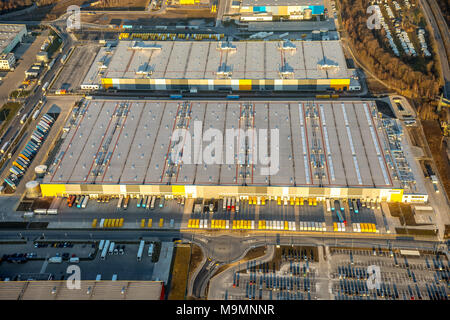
(286,71)
(144,70)
(226,46)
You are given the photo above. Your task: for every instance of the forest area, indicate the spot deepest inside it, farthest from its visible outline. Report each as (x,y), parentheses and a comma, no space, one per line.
(414,78)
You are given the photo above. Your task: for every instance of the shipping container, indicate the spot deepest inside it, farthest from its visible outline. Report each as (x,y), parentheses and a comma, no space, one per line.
(45,86)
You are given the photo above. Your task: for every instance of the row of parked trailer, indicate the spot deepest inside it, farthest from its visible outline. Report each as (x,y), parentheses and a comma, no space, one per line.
(354,205)
(23,161)
(250,225)
(338,227)
(78,201)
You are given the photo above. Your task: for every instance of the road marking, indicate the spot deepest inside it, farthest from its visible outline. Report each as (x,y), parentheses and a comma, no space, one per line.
(44,265)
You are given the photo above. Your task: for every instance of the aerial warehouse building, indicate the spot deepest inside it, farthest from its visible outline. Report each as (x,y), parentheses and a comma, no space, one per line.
(326,149)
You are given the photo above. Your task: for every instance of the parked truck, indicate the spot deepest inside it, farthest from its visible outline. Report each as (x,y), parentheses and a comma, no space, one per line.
(45,86)
(105,250)
(55,260)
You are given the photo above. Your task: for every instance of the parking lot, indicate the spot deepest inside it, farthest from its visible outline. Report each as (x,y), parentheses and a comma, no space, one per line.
(338,274)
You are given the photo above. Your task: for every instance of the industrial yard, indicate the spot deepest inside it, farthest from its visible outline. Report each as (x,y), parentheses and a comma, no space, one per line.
(210,65)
